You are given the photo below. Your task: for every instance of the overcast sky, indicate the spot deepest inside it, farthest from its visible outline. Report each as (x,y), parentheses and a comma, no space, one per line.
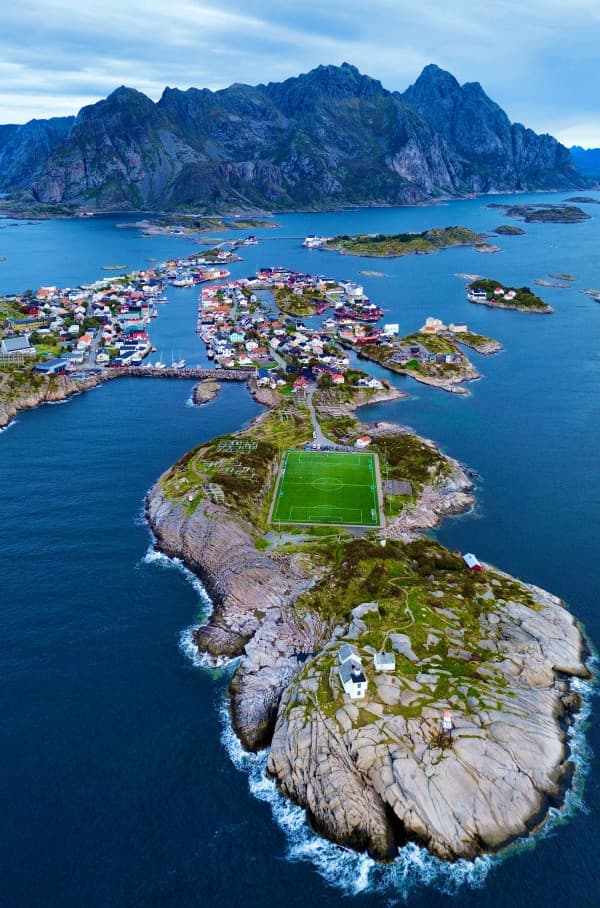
(538,59)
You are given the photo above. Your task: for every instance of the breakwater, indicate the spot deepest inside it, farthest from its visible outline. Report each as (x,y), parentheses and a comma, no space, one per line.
(198,373)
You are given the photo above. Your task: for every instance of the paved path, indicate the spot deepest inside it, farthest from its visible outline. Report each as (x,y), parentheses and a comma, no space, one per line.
(319,436)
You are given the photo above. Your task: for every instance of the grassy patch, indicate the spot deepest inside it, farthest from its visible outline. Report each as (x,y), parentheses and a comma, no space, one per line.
(397,244)
(327,488)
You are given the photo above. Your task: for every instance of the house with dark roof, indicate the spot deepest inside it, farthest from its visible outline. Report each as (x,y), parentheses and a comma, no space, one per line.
(353,679)
(351,672)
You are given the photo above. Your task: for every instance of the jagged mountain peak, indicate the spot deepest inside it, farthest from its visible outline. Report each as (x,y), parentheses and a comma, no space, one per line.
(324,83)
(434,78)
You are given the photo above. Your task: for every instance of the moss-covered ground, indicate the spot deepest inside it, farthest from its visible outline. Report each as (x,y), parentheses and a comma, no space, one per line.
(397,244)
(427,594)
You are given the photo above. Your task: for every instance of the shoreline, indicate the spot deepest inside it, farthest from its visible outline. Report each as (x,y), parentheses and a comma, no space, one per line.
(425,203)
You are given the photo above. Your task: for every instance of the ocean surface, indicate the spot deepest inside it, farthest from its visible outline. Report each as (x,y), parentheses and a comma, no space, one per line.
(121,782)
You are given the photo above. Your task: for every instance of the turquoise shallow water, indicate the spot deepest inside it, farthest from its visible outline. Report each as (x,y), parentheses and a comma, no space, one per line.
(121,785)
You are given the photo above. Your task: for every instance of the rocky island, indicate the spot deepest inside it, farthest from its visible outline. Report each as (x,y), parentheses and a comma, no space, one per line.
(392,245)
(544,213)
(509,230)
(457,740)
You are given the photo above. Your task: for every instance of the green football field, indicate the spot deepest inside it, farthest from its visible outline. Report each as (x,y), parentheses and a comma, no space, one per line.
(322,487)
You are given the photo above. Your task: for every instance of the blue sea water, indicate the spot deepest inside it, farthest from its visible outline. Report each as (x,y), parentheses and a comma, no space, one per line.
(121,782)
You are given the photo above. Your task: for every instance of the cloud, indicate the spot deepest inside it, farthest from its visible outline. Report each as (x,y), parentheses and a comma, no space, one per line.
(536,59)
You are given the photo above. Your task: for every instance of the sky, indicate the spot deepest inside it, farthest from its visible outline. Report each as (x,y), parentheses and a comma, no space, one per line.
(538,59)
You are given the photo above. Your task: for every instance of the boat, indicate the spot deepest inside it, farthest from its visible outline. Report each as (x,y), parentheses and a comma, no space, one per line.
(180,364)
(114,267)
(210,353)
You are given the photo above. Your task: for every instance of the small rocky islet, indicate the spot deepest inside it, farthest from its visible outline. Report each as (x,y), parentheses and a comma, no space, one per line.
(496,655)
(496,295)
(544,213)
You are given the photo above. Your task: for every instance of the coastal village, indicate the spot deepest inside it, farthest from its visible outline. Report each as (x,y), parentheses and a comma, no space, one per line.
(291,328)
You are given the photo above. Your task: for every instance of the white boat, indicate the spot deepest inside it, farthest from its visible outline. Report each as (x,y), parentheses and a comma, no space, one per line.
(180,364)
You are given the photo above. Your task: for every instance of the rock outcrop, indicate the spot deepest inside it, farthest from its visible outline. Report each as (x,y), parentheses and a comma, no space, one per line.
(253,593)
(46,390)
(380,770)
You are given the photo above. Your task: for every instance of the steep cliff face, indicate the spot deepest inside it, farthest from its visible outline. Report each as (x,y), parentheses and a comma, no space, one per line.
(119,151)
(587,160)
(24,150)
(493,153)
(330,137)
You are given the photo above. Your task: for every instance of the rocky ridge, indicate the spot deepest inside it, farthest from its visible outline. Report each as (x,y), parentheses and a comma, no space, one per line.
(329,137)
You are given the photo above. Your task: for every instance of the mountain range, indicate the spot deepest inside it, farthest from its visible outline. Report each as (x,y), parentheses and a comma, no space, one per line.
(587,161)
(331,137)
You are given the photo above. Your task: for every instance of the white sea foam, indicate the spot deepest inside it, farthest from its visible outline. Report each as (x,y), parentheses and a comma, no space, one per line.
(153,556)
(186,639)
(8,426)
(347,870)
(203,660)
(354,873)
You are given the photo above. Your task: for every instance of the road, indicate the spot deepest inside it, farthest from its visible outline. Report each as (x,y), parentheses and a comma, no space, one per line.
(319,436)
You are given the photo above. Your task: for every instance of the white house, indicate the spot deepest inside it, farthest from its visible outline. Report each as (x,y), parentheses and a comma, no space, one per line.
(432,326)
(351,672)
(348,651)
(353,679)
(363,442)
(472,562)
(384,662)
